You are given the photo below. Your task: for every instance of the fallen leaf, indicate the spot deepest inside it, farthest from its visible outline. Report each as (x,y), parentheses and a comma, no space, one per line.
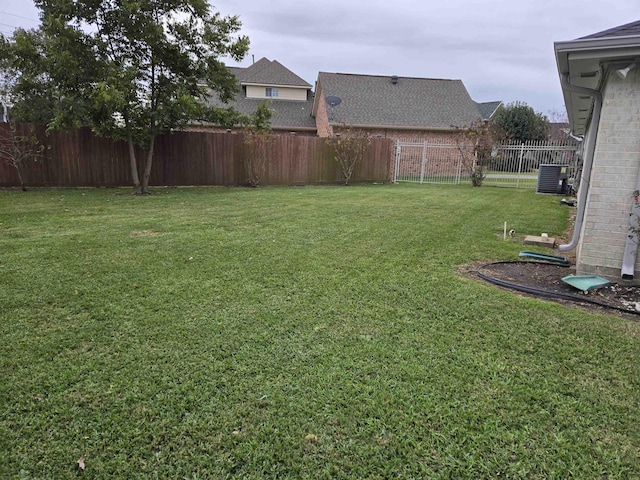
(311,438)
(81,462)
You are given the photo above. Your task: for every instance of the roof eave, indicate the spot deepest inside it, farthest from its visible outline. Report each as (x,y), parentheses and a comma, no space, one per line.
(277,85)
(394,127)
(294,129)
(493,112)
(576,57)
(317,98)
(278,127)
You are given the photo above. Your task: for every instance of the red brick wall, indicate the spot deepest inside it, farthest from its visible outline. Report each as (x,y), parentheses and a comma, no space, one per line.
(440,161)
(414,135)
(322,116)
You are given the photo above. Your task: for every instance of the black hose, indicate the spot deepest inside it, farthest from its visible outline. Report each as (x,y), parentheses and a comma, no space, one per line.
(541,291)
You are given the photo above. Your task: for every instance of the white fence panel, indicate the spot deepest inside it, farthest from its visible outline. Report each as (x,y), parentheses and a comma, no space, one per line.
(424,162)
(517,164)
(511,165)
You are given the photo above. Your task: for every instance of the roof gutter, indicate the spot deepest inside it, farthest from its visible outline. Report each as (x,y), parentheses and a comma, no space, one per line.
(588,156)
(280,85)
(591,45)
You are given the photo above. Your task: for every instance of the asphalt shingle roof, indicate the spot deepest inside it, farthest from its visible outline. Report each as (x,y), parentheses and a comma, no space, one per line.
(369,100)
(270,72)
(627,30)
(487,109)
(235,70)
(287,114)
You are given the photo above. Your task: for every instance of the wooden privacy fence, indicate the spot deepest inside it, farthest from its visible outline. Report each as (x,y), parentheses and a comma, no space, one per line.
(78,158)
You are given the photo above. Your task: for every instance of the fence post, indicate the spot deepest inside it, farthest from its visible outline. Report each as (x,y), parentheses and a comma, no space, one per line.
(424,161)
(520,165)
(395,173)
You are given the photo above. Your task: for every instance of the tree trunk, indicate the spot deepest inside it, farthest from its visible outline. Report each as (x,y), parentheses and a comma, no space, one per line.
(147,167)
(20,178)
(137,190)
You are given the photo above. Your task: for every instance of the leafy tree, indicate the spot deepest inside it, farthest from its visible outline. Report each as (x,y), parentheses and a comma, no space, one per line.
(23,78)
(521,123)
(130,69)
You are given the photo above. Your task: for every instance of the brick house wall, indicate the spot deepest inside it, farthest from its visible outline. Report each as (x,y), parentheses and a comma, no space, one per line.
(323,127)
(442,160)
(613,180)
(431,136)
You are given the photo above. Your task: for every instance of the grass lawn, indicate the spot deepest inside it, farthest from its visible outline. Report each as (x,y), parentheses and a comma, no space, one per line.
(494,179)
(315,332)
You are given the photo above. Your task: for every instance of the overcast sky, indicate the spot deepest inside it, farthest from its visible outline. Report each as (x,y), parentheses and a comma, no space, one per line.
(500,49)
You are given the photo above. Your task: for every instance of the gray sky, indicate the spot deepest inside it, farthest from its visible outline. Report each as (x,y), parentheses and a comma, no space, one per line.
(500,49)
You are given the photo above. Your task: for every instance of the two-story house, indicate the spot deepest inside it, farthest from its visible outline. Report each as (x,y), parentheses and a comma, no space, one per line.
(290,97)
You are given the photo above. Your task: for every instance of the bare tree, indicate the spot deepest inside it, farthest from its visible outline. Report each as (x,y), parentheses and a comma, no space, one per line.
(475,143)
(18,147)
(558,116)
(258,137)
(349,148)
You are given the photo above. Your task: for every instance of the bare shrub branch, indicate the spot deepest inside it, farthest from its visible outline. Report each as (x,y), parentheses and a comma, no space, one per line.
(475,143)
(18,147)
(258,138)
(349,148)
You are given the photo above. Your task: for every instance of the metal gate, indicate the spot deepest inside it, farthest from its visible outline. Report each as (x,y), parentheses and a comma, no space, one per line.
(511,165)
(425,162)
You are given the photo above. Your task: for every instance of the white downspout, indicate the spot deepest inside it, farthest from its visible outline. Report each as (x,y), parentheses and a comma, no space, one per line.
(588,157)
(631,244)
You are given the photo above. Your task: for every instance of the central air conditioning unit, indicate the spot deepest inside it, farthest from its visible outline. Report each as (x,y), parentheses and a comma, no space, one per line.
(552,179)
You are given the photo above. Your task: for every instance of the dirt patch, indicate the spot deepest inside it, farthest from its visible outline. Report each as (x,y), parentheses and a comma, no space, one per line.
(614,298)
(547,278)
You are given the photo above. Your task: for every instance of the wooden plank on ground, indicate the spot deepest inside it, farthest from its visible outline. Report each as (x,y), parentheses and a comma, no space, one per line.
(542,241)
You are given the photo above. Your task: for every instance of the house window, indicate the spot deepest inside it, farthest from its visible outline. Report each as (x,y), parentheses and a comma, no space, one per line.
(271,92)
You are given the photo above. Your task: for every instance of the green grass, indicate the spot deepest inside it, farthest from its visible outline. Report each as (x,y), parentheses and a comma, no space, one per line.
(316,332)
(502,179)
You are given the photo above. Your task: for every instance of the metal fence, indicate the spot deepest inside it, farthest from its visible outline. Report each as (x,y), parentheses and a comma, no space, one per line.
(517,164)
(511,164)
(426,162)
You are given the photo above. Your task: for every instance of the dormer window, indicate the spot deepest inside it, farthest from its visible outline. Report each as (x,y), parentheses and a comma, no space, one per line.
(271,92)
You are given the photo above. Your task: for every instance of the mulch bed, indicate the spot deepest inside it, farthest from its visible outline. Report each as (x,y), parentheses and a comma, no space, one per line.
(548,277)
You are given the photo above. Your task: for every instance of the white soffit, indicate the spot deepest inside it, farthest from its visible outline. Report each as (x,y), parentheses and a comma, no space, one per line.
(585,62)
